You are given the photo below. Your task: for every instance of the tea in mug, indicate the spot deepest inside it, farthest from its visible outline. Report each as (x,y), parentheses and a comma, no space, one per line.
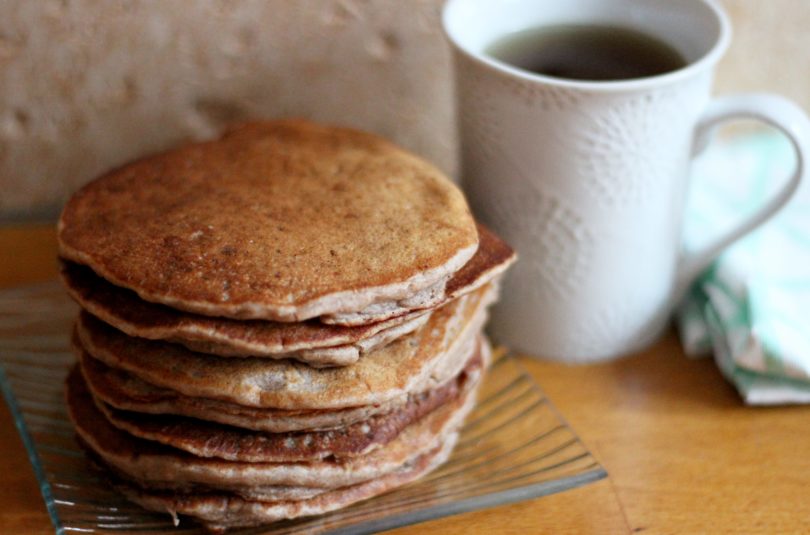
(587,52)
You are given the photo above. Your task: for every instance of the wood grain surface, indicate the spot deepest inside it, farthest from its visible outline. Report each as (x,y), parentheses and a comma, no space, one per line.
(684,455)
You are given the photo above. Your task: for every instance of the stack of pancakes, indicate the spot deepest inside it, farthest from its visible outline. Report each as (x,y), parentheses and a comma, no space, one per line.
(277,323)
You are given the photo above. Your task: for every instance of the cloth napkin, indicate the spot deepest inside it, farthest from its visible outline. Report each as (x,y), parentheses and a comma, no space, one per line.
(751,308)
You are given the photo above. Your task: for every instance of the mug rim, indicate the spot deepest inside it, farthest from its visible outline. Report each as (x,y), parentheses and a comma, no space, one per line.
(711,57)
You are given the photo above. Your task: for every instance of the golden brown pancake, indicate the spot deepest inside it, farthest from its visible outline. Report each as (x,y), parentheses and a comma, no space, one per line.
(309,341)
(124,391)
(219,511)
(210,439)
(159,466)
(416,362)
(269,493)
(278,220)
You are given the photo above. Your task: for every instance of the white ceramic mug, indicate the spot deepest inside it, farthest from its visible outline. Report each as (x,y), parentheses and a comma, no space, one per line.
(587,180)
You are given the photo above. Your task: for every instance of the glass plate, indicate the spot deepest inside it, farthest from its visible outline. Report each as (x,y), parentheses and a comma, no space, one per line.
(514,446)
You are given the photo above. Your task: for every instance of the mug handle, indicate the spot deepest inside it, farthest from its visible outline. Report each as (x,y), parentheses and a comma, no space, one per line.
(771,109)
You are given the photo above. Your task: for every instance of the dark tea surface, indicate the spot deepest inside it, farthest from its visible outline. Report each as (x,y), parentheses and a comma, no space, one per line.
(587,52)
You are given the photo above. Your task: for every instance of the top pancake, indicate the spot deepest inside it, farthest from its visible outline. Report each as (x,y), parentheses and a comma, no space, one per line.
(281,220)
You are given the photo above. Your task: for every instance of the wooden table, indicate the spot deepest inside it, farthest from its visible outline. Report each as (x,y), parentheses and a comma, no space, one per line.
(683,454)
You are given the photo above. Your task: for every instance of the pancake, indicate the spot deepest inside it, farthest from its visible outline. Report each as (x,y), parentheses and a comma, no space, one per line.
(219,511)
(124,391)
(414,363)
(278,220)
(272,493)
(492,259)
(310,341)
(159,466)
(267,493)
(209,439)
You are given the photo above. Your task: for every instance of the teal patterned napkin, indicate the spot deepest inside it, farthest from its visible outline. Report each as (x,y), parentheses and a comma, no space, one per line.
(752,307)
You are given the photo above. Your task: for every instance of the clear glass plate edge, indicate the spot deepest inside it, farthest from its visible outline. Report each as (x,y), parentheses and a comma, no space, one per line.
(30,448)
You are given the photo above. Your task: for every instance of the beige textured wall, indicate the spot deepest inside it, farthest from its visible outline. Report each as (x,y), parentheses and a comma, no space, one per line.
(89,84)
(770,50)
